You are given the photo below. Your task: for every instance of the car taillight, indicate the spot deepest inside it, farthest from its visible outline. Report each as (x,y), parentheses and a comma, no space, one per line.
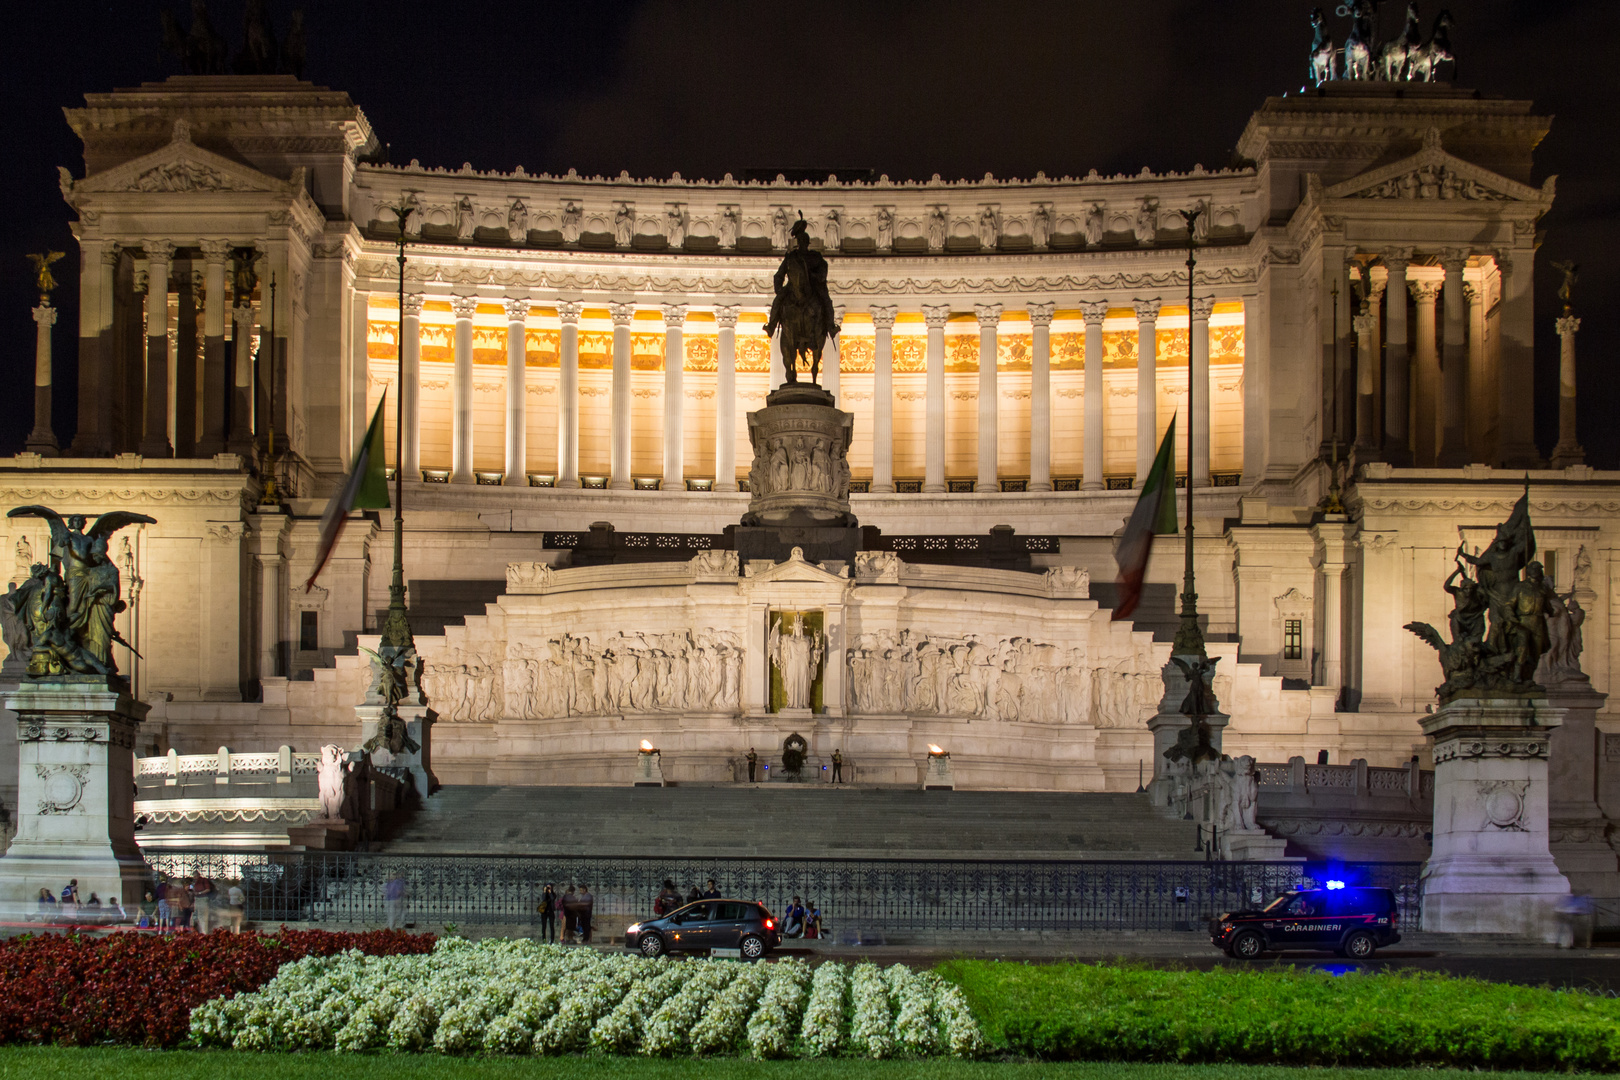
(1394,920)
(770,924)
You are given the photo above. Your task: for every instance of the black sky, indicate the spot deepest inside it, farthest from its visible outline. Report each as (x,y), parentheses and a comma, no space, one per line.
(905,88)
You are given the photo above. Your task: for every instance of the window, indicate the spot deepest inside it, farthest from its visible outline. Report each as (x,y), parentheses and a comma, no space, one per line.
(731,912)
(1293,639)
(309,631)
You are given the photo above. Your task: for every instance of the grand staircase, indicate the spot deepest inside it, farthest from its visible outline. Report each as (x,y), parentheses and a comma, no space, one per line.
(793,820)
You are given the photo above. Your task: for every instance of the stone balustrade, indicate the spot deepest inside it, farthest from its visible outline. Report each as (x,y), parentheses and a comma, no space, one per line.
(183,770)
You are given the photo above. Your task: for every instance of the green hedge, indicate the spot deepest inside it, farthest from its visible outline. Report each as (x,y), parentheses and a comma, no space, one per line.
(1285,1016)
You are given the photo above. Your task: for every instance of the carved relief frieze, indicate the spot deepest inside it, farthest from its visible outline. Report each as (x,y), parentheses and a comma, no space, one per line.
(62,788)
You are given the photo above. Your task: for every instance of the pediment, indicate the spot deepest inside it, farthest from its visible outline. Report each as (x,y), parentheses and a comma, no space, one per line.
(181,166)
(796,570)
(1433,173)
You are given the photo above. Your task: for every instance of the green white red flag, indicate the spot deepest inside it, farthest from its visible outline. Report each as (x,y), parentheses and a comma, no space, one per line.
(1155,515)
(365,488)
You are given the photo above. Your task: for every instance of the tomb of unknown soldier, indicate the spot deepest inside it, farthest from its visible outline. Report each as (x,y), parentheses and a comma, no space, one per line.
(1174,537)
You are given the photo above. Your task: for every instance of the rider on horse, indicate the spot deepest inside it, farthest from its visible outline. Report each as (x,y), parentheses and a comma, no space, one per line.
(802,308)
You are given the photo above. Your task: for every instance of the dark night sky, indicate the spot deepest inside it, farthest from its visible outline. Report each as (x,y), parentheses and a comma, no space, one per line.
(907,88)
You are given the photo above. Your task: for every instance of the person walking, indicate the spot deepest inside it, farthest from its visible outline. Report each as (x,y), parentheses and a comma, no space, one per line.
(548,913)
(667,900)
(753,764)
(394,900)
(69,898)
(838,767)
(694,895)
(180,905)
(202,900)
(586,903)
(570,914)
(235,906)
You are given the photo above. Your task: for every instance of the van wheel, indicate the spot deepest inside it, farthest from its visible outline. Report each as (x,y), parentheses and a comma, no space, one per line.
(1360,945)
(1248,945)
(652,944)
(752,948)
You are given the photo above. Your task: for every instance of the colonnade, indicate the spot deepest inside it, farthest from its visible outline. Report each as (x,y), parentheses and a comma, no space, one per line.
(988,476)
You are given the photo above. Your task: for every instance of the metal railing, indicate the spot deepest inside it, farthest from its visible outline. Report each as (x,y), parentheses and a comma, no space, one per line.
(888,895)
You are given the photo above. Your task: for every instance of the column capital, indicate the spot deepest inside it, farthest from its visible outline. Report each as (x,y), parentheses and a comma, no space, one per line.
(838,315)
(675,315)
(1566,324)
(464,306)
(1041,314)
(1094,311)
(936,315)
(568,311)
(725,315)
(1365,324)
(989,315)
(1452,260)
(111,252)
(517,309)
(1377,292)
(244,317)
(215,251)
(158,251)
(622,314)
(1424,292)
(1507,257)
(413,304)
(1147,310)
(1202,308)
(1472,293)
(883,315)
(45,315)
(1396,257)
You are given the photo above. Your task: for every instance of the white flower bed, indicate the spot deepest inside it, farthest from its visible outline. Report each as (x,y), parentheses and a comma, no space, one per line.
(519,997)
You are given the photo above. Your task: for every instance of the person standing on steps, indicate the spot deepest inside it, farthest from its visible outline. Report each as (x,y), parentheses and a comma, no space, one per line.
(570,914)
(548,913)
(838,767)
(586,902)
(753,764)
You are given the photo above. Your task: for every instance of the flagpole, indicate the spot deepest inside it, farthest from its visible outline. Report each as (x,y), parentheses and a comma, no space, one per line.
(396,629)
(1189,640)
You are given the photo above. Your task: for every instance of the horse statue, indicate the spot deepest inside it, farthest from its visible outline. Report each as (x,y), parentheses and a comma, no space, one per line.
(1323,65)
(1396,54)
(1358,45)
(803,308)
(1436,51)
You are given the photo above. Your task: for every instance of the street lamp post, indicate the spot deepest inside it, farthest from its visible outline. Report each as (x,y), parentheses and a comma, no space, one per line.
(396,629)
(1189,640)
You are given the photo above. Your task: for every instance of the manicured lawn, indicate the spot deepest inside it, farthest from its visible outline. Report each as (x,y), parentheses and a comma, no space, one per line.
(1286,1016)
(36,1063)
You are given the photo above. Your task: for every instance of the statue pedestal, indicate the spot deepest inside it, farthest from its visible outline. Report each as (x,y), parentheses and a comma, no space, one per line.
(1255,846)
(649,769)
(1577,827)
(1167,727)
(800,476)
(323,834)
(76,792)
(414,768)
(937,775)
(1490,870)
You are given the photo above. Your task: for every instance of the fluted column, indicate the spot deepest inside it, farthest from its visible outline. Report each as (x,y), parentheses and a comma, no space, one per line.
(92,359)
(674,398)
(936,316)
(517,393)
(211,441)
(1515,369)
(832,357)
(243,320)
(1147,386)
(883,398)
(989,398)
(461,393)
(1397,364)
(1479,388)
(1427,365)
(568,394)
(183,372)
(155,443)
(1198,343)
(1094,312)
(1568,451)
(619,433)
(42,440)
(410,377)
(1040,397)
(725,399)
(1454,364)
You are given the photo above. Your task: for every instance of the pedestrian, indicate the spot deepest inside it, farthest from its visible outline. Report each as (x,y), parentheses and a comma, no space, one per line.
(180,901)
(165,917)
(753,764)
(694,895)
(146,912)
(793,919)
(236,906)
(202,901)
(838,767)
(586,902)
(812,922)
(548,913)
(47,906)
(570,915)
(70,899)
(667,900)
(710,893)
(394,900)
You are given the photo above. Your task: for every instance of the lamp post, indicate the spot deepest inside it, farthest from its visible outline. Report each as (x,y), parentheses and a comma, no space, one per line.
(1189,640)
(396,629)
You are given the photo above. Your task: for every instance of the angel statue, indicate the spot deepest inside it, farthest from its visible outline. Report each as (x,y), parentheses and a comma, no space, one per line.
(1566,288)
(42,272)
(71,602)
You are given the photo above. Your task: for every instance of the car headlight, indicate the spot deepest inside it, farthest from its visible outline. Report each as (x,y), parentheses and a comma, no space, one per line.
(632,928)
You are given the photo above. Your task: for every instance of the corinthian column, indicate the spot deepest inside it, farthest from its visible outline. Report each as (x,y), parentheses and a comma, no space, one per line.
(619,433)
(1515,445)
(1366,327)
(725,400)
(1454,365)
(936,316)
(159,254)
(42,440)
(461,392)
(410,377)
(989,439)
(212,440)
(1427,365)
(568,394)
(1040,397)
(674,397)
(883,398)
(517,396)
(1198,343)
(1397,365)
(243,321)
(1147,386)
(1094,312)
(1568,451)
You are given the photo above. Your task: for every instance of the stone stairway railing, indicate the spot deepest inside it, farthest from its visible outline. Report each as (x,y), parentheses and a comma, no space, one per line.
(278,766)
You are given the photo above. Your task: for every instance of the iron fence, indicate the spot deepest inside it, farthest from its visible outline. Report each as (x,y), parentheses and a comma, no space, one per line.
(888,896)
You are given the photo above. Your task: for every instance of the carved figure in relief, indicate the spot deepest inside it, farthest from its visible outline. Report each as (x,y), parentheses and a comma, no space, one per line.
(624,225)
(779,228)
(832,230)
(572,219)
(1094,225)
(1324,57)
(730,224)
(331,781)
(989,227)
(675,225)
(1245,799)
(798,463)
(1040,228)
(25,560)
(796,655)
(936,229)
(464,219)
(885,228)
(1563,660)
(517,222)
(1147,222)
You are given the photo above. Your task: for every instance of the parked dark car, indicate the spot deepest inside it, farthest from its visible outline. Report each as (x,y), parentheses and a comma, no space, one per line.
(1353,922)
(707,924)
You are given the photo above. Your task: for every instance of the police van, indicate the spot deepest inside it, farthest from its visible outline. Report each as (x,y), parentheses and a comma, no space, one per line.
(1349,921)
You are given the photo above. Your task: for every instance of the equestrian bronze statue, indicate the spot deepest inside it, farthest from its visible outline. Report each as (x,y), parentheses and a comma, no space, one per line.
(802,309)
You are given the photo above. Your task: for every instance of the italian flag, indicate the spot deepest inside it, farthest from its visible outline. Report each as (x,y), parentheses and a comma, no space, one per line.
(1155,515)
(365,489)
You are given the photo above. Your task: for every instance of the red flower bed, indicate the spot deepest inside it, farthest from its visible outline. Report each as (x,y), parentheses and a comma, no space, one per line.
(139,989)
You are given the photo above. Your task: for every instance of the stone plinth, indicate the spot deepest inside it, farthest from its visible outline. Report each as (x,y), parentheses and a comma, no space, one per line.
(1577,828)
(649,769)
(76,791)
(801,470)
(1252,845)
(323,834)
(1167,726)
(1491,870)
(937,773)
(414,768)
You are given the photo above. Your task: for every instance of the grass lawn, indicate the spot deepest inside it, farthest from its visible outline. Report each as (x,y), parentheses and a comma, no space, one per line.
(36,1063)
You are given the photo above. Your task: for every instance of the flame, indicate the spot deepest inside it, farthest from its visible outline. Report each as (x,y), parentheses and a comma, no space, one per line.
(933,749)
(646,747)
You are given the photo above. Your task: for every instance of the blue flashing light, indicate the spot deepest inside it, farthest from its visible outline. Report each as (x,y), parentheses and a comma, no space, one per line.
(1335,885)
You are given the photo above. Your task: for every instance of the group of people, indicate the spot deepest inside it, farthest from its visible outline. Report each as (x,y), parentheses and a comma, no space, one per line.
(171,905)
(566,917)
(798,920)
(72,906)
